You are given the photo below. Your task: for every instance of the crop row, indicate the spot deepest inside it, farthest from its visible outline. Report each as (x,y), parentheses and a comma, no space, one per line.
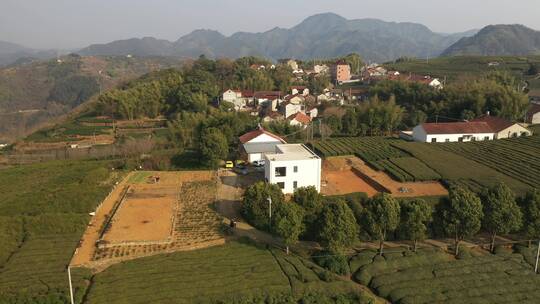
(369,148)
(436,277)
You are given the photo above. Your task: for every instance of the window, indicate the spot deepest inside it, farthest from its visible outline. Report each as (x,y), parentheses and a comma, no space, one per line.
(486,137)
(434,139)
(295,169)
(447,140)
(460,139)
(281,185)
(295,184)
(281,171)
(514,134)
(473,138)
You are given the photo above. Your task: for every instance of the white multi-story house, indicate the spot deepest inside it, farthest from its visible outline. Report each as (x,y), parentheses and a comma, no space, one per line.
(293,166)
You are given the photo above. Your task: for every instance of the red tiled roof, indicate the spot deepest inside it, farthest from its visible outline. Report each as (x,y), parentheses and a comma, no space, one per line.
(457,127)
(300,117)
(256,133)
(496,124)
(267,94)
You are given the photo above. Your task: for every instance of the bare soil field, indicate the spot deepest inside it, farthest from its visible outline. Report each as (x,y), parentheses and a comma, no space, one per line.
(146,214)
(340,178)
(151,213)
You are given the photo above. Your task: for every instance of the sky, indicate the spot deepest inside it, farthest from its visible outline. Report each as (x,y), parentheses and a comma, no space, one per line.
(71,24)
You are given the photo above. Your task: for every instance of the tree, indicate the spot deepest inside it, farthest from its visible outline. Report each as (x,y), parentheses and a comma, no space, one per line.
(461,215)
(337,226)
(415,216)
(311,201)
(288,223)
(501,212)
(255,205)
(213,146)
(381,217)
(350,122)
(531,214)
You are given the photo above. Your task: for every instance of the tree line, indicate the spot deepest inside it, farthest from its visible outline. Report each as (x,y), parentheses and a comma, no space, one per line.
(395,105)
(337,223)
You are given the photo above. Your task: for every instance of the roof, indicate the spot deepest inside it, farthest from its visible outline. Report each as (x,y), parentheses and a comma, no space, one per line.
(291,152)
(267,94)
(300,117)
(298,87)
(496,124)
(265,147)
(256,133)
(244,93)
(471,127)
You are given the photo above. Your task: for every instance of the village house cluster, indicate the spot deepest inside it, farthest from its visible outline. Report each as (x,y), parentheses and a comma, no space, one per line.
(374,72)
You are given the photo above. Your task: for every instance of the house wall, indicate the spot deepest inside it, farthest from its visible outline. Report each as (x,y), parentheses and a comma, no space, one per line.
(231,96)
(513,131)
(535,118)
(263,138)
(441,138)
(255,156)
(309,173)
(342,72)
(291,109)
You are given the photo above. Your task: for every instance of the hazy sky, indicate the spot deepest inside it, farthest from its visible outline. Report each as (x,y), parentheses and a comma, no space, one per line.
(78,23)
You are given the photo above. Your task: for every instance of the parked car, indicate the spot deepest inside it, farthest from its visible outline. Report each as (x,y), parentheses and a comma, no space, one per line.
(229,164)
(241,169)
(259,163)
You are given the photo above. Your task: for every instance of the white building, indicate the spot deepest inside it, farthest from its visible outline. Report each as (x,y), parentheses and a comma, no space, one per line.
(503,128)
(240,99)
(258,142)
(453,132)
(293,166)
(482,128)
(533,115)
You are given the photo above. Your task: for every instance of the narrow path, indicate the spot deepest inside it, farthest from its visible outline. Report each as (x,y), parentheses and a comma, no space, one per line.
(85,251)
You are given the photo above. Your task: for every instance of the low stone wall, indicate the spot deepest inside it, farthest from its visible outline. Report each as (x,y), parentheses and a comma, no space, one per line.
(370,181)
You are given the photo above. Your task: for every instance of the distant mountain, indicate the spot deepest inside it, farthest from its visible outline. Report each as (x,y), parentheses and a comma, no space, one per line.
(319,36)
(11,52)
(498,40)
(146,46)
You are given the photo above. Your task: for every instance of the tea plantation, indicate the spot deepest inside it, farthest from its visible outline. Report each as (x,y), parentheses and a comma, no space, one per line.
(475,164)
(239,272)
(43,213)
(436,277)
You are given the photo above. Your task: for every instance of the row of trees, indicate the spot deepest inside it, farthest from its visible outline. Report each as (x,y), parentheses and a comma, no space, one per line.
(373,117)
(498,93)
(337,223)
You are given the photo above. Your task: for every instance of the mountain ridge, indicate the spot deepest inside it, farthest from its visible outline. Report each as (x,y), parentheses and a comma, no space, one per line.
(317,36)
(498,40)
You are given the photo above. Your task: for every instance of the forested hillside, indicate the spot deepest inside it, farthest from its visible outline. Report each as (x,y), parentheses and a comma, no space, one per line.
(33,94)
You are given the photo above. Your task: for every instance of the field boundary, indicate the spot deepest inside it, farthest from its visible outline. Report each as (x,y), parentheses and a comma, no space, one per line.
(372,182)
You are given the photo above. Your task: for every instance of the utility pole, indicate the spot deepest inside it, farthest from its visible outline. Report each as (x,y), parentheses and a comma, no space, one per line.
(70,285)
(537,256)
(270,209)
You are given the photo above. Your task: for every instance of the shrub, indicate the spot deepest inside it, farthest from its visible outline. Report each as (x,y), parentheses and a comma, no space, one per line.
(335,263)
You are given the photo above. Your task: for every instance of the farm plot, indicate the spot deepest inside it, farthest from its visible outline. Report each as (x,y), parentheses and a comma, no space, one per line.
(146,214)
(517,158)
(435,277)
(454,168)
(232,273)
(164,212)
(364,178)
